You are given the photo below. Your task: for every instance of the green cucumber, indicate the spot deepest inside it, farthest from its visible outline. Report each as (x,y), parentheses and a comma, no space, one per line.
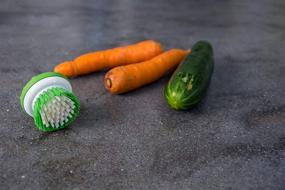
(190,81)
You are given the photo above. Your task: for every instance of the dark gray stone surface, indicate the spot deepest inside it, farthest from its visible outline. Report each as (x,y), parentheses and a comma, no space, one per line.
(235,139)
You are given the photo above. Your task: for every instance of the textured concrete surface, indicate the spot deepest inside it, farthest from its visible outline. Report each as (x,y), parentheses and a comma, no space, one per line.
(235,139)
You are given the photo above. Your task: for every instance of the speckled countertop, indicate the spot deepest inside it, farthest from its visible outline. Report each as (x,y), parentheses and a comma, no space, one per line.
(234,139)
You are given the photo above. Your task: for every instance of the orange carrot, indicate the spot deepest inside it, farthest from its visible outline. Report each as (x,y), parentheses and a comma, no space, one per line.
(99,60)
(126,78)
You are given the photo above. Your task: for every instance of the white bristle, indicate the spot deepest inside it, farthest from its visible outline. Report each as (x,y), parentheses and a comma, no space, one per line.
(57,111)
(52,123)
(44,119)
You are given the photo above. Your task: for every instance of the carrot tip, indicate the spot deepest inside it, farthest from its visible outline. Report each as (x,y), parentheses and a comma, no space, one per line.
(108,83)
(65,68)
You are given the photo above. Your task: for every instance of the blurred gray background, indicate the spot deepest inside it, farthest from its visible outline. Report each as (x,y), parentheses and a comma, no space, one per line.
(234,139)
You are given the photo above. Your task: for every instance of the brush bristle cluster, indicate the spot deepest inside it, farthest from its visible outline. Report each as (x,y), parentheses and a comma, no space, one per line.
(57,112)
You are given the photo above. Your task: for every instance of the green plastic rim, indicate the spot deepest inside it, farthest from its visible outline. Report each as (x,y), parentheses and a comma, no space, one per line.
(47,96)
(33,81)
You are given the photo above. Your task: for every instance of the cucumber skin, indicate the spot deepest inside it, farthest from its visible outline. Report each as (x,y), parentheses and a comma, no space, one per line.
(190,81)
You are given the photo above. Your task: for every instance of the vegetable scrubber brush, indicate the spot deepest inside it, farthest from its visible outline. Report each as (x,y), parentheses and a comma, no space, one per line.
(48,98)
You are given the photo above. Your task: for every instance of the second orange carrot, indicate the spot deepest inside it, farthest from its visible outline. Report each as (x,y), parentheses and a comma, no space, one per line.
(126,78)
